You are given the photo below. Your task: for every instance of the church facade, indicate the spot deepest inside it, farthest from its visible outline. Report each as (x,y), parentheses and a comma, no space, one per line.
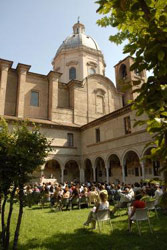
(79,109)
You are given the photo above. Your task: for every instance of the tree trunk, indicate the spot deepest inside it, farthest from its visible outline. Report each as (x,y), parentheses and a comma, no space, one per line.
(165,171)
(7,238)
(0,201)
(3,222)
(21,196)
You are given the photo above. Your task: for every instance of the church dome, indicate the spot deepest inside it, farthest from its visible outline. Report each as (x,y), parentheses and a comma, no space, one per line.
(77,39)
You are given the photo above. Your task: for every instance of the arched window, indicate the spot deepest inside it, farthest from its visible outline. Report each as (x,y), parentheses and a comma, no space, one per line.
(123,71)
(72,73)
(92,71)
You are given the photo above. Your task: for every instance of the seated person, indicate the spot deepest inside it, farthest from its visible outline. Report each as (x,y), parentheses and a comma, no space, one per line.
(93,196)
(125,198)
(102,205)
(138,203)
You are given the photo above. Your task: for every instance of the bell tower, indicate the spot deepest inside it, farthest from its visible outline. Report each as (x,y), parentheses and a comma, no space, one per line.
(126,79)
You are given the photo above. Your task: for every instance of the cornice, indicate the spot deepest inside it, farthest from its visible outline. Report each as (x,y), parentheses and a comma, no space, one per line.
(41,123)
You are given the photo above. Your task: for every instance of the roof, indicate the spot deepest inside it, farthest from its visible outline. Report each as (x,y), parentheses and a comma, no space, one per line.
(77,39)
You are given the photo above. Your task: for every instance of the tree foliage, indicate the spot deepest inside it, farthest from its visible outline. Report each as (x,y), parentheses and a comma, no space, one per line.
(22,150)
(143,25)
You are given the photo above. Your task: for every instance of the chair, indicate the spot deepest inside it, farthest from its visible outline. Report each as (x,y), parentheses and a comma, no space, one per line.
(124,206)
(102,216)
(141,214)
(65,202)
(84,201)
(151,206)
(75,202)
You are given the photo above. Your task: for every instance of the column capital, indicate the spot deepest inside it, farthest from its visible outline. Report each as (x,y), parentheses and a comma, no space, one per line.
(22,68)
(5,64)
(53,76)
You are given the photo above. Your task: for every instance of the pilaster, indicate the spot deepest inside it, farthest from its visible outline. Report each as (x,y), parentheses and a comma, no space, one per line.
(22,70)
(4,68)
(53,78)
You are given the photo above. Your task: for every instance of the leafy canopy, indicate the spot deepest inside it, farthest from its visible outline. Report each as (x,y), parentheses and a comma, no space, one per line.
(143,25)
(22,150)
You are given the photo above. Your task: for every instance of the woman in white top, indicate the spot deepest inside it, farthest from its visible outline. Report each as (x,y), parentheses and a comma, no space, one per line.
(102,205)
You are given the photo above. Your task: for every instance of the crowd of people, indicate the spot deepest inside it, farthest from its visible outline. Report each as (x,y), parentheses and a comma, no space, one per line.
(100,195)
(119,194)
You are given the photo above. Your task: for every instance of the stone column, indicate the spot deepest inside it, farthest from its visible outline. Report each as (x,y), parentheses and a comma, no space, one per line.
(142,167)
(94,173)
(4,67)
(107,174)
(53,78)
(62,175)
(82,175)
(123,172)
(22,70)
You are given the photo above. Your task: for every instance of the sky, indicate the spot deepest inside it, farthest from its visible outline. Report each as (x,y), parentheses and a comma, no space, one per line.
(31,31)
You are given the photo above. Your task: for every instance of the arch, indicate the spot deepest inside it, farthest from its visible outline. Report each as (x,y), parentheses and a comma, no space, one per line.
(123,71)
(94,159)
(126,151)
(101,78)
(52,170)
(72,73)
(54,157)
(132,167)
(151,167)
(88,170)
(100,169)
(114,168)
(71,171)
(110,154)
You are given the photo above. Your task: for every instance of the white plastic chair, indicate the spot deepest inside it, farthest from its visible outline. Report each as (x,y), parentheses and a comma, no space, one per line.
(141,214)
(102,216)
(151,206)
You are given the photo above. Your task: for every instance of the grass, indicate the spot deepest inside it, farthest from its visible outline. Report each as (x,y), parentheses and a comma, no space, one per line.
(43,229)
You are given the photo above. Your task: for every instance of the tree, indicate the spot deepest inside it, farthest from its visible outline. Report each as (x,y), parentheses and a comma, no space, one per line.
(22,150)
(143,24)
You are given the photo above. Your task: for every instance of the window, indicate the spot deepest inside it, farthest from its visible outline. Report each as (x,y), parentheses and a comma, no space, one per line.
(99,104)
(65,172)
(110,172)
(72,73)
(70,140)
(100,101)
(127,125)
(92,71)
(137,72)
(136,171)
(123,71)
(123,100)
(34,101)
(156,166)
(126,170)
(100,173)
(97,135)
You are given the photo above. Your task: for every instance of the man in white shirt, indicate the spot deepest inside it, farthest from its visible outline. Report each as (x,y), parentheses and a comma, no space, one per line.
(157,194)
(125,198)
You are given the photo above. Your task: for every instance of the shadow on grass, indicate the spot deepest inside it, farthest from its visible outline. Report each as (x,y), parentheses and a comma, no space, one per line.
(86,239)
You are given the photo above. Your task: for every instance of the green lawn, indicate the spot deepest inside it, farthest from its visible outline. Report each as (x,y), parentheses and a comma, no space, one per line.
(43,229)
